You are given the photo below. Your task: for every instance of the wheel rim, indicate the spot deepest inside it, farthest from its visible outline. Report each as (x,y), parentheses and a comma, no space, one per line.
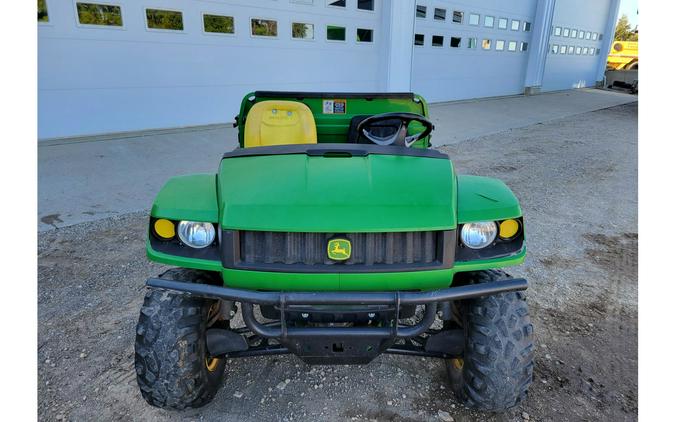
(210,362)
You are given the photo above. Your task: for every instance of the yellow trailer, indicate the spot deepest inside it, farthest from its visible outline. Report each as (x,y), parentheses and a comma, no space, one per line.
(623,56)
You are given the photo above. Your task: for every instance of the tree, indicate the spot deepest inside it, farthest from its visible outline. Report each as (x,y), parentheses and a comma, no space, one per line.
(623,31)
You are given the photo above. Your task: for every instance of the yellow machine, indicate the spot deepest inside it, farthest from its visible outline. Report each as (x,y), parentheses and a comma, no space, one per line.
(623,56)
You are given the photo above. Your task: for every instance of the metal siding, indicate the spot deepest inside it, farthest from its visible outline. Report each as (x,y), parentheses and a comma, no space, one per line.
(575,71)
(445,73)
(99,79)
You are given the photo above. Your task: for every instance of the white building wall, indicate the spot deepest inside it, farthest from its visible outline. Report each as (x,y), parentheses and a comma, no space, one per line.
(446,73)
(567,71)
(105,79)
(94,80)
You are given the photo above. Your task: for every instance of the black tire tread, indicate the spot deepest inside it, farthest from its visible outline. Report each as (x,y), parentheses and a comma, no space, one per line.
(170,348)
(499,350)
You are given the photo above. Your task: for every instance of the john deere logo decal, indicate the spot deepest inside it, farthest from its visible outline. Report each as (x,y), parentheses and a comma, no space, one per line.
(339,249)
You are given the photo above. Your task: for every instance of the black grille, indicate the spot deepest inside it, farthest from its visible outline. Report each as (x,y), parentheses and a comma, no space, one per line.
(260,249)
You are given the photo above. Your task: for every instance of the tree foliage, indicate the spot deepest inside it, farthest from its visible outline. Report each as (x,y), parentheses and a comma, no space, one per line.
(164,19)
(220,24)
(624,32)
(43,15)
(99,14)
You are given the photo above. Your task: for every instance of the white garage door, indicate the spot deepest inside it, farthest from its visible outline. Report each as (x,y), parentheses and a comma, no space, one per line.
(471,49)
(122,65)
(575,44)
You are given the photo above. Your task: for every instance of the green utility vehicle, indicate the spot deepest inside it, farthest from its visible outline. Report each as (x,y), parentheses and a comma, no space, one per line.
(336,234)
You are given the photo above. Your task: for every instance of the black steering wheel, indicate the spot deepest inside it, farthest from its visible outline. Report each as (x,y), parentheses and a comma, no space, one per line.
(392,128)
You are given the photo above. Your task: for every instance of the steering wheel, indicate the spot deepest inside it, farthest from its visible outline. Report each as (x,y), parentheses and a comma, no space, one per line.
(392,128)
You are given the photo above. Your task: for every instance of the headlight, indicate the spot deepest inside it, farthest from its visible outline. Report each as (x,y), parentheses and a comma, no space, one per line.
(479,235)
(196,234)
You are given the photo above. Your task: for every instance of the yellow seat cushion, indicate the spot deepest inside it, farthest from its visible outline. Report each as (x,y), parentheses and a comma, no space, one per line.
(279,123)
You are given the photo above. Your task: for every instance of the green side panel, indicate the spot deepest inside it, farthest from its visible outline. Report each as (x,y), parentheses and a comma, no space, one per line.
(191,197)
(412,280)
(263,280)
(483,198)
(181,261)
(299,193)
(334,127)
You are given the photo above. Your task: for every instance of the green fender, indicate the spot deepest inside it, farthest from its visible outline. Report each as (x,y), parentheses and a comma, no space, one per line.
(191,197)
(483,198)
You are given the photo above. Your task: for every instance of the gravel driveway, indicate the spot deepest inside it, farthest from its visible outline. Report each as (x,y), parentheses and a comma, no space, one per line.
(577,182)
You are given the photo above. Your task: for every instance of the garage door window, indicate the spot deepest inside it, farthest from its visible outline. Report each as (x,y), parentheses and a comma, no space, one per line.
(437,41)
(457,16)
(578,50)
(573,33)
(364,35)
(557,31)
(600,37)
(486,44)
(499,45)
(419,39)
(218,24)
(337,3)
(515,25)
(336,33)
(302,31)
(164,19)
(582,34)
(523,46)
(263,28)
(512,46)
(527,26)
(585,52)
(366,5)
(99,14)
(588,35)
(566,32)
(489,22)
(421,12)
(503,23)
(43,15)
(591,51)
(474,19)
(570,50)
(471,43)
(455,42)
(595,36)
(563,49)
(439,14)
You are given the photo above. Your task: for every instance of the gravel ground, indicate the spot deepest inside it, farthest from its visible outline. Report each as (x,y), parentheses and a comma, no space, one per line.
(577,182)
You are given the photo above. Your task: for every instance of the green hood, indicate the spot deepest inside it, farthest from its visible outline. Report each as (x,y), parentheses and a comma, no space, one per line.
(305,193)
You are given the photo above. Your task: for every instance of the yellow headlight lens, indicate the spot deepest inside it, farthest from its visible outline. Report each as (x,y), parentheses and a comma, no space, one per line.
(508,229)
(165,229)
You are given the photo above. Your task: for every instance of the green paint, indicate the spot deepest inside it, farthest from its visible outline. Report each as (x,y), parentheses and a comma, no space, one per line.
(191,197)
(299,193)
(482,198)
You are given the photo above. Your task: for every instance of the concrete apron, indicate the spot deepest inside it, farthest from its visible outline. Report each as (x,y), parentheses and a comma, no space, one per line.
(87,179)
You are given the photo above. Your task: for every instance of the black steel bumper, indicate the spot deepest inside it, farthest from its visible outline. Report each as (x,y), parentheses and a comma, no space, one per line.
(339,344)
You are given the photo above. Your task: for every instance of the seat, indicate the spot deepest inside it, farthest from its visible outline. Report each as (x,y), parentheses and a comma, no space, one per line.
(279,123)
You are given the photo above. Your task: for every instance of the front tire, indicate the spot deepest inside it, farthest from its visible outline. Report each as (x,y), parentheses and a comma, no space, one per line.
(173,368)
(495,371)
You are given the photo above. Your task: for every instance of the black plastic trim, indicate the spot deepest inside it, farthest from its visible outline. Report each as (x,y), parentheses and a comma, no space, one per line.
(346,95)
(231,258)
(328,149)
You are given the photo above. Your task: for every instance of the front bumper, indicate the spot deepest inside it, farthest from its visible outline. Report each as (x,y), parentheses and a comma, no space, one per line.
(338,344)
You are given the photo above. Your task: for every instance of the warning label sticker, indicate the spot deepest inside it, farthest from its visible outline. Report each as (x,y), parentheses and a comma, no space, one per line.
(334,106)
